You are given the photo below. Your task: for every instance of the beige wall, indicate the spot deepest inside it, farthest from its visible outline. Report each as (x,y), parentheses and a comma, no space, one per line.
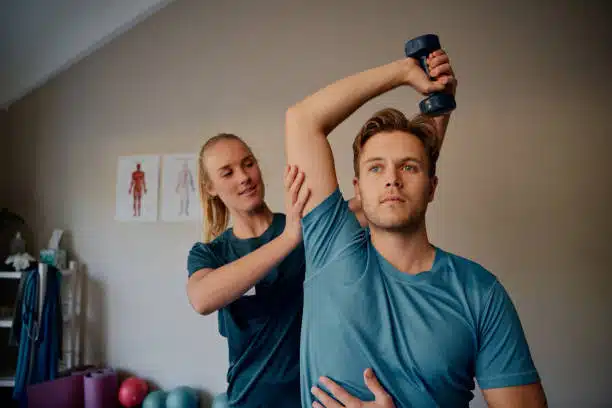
(522,174)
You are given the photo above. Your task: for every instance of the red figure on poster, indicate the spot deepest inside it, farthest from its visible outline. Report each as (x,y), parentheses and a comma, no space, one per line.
(137,187)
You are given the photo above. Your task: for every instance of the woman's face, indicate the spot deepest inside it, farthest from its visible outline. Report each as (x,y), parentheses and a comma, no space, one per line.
(234,175)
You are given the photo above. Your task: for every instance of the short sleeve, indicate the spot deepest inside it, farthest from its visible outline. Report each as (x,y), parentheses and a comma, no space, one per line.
(504,358)
(327,229)
(200,257)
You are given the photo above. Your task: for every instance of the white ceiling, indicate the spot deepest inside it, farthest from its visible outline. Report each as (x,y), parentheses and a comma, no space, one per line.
(40,38)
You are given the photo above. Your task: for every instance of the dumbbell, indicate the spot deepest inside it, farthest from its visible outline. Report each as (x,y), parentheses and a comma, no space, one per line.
(419,48)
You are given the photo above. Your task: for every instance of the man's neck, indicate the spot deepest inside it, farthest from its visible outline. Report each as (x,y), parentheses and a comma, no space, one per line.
(252,224)
(409,252)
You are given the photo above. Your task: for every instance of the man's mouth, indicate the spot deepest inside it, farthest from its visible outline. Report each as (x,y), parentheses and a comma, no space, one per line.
(393,199)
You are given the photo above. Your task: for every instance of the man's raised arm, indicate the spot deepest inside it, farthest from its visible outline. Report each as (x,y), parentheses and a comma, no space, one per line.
(308,123)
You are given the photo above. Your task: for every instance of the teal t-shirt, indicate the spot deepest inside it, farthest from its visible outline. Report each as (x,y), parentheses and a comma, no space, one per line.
(426,336)
(262,329)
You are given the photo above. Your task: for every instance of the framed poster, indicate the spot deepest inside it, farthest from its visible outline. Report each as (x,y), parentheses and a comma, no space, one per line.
(180,193)
(137,188)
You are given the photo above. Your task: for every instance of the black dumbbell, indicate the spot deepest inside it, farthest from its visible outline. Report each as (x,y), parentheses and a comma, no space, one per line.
(419,48)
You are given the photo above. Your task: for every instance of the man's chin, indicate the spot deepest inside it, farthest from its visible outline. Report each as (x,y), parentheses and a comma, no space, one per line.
(394,224)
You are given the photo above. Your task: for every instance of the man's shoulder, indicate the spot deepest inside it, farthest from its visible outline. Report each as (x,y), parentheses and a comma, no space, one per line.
(471,273)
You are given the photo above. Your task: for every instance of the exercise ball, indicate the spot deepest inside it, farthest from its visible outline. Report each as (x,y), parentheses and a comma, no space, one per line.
(182,397)
(220,401)
(155,399)
(132,391)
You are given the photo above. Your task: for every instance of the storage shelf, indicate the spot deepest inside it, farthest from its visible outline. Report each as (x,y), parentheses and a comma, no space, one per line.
(68,305)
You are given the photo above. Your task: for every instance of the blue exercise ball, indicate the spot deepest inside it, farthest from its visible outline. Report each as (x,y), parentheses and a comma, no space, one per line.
(182,397)
(155,399)
(220,401)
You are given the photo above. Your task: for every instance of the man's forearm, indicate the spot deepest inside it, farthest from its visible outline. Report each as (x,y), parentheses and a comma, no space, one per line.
(441,126)
(324,110)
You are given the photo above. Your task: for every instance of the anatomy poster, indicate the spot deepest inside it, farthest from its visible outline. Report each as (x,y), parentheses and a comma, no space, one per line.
(180,193)
(137,188)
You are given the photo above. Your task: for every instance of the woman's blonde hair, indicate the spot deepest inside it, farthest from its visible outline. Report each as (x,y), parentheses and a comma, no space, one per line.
(216,213)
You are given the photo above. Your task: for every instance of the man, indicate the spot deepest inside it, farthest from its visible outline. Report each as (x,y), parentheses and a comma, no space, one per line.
(427,322)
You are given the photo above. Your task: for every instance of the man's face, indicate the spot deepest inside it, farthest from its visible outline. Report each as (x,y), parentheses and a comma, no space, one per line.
(235,176)
(394,185)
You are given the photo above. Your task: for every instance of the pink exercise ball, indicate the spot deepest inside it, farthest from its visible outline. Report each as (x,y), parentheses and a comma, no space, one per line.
(132,392)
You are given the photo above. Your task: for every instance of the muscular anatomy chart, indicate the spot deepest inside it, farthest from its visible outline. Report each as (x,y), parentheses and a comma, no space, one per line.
(137,188)
(180,195)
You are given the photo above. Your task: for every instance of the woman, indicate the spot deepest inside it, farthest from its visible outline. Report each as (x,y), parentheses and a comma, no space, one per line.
(251,273)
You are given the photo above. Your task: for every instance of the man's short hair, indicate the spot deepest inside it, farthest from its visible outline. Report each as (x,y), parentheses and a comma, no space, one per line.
(390,119)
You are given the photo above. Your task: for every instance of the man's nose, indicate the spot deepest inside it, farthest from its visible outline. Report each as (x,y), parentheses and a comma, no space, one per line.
(393,179)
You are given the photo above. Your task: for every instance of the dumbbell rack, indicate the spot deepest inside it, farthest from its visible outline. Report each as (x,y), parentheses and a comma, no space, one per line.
(70,297)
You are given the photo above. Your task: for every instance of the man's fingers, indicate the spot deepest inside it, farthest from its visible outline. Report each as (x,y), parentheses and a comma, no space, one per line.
(436,53)
(326,400)
(380,394)
(444,69)
(436,61)
(337,391)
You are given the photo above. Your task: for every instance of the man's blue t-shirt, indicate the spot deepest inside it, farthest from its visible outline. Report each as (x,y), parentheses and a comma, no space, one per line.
(426,336)
(262,329)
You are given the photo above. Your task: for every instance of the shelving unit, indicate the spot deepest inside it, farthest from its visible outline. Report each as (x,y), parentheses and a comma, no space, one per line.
(70,296)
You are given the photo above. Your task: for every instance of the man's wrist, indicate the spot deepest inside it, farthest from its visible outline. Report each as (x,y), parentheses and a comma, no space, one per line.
(406,67)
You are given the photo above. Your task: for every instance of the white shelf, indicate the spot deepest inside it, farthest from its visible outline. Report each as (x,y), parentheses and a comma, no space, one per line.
(10,275)
(17,275)
(6,323)
(7,381)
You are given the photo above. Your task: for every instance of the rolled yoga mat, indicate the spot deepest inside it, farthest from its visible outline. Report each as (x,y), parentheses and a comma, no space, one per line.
(64,392)
(100,389)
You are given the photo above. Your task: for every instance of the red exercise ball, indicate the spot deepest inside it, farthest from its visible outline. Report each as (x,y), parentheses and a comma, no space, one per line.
(132,392)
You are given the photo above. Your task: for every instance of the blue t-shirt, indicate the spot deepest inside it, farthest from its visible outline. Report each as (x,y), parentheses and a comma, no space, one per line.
(262,330)
(426,336)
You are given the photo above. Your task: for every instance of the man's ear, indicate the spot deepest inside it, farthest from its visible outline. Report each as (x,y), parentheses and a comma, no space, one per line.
(356,187)
(433,185)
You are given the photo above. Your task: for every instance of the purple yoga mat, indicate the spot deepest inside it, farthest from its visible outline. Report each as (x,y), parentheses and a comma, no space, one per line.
(100,389)
(64,392)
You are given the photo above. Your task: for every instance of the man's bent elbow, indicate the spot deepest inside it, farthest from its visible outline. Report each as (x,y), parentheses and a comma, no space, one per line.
(292,120)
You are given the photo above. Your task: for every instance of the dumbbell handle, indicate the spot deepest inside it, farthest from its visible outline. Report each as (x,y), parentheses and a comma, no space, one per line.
(420,47)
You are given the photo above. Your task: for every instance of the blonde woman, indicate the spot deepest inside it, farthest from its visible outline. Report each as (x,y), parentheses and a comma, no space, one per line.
(252,273)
